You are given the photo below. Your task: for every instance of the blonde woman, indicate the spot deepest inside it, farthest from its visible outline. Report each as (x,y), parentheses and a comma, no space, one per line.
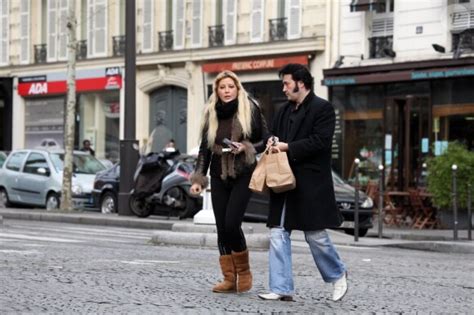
(230,114)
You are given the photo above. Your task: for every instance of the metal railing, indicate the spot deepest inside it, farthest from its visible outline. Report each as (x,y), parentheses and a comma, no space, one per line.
(40,53)
(278,29)
(81,50)
(379,45)
(118,45)
(216,35)
(165,40)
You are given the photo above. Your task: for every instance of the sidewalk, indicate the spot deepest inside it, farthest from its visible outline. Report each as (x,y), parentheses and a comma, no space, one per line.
(186,233)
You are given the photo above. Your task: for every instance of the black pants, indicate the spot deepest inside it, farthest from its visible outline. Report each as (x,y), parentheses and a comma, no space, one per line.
(229,201)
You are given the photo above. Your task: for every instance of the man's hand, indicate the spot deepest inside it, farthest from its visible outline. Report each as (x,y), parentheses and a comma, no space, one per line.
(195,189)
(280,146)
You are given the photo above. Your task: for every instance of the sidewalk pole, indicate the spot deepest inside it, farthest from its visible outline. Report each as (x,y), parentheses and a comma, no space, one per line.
(356,205)
(381,212)
(454,168)
(469,212)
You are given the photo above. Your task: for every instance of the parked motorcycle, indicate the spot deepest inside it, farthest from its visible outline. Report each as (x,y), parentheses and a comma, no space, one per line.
(161,184)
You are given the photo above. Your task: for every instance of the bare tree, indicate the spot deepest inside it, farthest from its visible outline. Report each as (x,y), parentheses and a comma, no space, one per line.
(66,194)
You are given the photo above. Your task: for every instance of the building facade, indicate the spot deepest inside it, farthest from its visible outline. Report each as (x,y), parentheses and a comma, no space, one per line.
(402,84)
(181,46)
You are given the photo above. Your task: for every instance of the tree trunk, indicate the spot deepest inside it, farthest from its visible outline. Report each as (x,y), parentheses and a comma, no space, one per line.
(66,194)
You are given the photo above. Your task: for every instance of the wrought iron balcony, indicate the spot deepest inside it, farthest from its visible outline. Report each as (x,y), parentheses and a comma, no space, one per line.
(119,45)
(40,53)
(216,36)
(464,41)
(165,40)
(380,47)
(278,29)
(81,49)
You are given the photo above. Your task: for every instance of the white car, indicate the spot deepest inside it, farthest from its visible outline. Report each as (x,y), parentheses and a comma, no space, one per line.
(34,177)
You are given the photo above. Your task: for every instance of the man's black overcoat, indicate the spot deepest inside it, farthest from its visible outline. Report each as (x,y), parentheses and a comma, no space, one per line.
(311,205)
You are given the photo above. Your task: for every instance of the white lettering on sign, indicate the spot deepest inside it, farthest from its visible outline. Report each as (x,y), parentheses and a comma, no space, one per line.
(38,88)
(112,71)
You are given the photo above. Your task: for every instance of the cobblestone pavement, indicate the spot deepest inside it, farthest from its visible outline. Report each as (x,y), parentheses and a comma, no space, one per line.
(63,268)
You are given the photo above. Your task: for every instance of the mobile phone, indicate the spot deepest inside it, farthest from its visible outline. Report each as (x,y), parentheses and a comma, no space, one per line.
(229,143)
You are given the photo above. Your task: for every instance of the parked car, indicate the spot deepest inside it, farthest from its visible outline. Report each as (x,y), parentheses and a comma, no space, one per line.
(106,189)
(257,209)
(34,177)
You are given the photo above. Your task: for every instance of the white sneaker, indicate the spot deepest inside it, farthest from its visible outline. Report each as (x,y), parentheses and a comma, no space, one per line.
(340,288)
(275,297)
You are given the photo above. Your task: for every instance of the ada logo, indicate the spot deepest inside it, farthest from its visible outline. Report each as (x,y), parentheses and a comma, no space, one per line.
(112,71)
(38,88)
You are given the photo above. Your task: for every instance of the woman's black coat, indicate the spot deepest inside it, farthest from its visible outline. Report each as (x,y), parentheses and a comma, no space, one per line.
(312,204)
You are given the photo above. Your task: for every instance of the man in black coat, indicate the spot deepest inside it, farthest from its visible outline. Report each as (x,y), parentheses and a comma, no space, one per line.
(304,129)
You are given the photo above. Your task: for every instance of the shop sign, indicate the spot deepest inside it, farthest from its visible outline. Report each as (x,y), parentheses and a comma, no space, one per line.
(56,83)
(420,75)
(254,64)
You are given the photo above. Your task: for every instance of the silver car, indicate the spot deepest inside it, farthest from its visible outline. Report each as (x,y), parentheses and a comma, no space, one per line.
(34,177)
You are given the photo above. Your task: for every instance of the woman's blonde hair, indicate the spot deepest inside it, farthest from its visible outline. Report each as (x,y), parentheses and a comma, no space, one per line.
(244,110)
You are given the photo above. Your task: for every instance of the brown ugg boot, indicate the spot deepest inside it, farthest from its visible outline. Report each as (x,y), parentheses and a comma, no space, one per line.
(228,270)
(242,267)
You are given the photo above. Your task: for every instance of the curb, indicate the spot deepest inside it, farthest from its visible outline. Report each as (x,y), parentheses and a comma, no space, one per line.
(440,247)
(254,241)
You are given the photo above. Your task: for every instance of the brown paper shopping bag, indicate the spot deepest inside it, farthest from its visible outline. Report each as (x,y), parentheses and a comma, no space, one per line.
(279,177)
(257,181)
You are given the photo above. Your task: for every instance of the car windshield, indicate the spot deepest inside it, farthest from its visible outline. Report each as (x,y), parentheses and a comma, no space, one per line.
(82,163)
(3,157)
(336,179)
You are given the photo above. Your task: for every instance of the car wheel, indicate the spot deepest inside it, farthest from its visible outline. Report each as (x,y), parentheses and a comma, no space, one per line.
(362,232)
(52,201)
(4,201)
(108,203)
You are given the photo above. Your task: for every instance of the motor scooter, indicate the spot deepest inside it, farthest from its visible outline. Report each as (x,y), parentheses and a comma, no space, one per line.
(162,183)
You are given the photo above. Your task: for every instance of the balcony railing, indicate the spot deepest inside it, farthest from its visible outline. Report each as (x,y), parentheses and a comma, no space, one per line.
(40,53)
(216,35)
(278,29)
(378,46)
(165,40)
(463,41)
(81,49)
(118,45)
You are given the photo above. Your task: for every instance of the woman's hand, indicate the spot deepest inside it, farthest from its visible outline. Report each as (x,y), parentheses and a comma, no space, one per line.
(272,141)
(195,189)
(237,147)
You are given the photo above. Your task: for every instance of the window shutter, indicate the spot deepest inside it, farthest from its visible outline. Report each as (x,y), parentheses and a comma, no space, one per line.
(62,29)
(256,30)
(294,19)
(178,24)
(147,43)
(196,33)
(51,42)
(25,31)
(230,8)
(4,31)
(382,26)
(100,28)
(90,28)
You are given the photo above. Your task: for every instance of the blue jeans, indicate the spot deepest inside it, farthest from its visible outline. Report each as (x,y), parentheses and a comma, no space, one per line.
(324,254)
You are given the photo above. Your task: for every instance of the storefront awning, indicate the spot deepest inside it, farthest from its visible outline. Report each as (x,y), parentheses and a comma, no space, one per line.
(365,5)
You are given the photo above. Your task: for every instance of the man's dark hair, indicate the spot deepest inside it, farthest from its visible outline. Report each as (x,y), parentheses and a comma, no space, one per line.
(86,141)
(298,73)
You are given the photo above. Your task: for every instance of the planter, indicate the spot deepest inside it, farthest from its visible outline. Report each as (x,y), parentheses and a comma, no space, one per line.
(446,219)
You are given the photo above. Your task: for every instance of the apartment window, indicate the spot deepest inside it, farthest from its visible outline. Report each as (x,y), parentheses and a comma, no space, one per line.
(381,40)
(294,18)
(196,31)
(178,23)
(24,31)
(229,12)
(56,41)
(257,16)
(147,40)
(4,32)
(97,28)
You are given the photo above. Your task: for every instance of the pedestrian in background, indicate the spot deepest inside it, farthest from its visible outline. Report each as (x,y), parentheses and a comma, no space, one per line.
(230,115)
(304,129)
(86,147)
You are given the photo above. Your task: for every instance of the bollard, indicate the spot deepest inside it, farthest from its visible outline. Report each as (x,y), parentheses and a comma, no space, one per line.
(469,212)
(454,168)
(381,212)
(356,204)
